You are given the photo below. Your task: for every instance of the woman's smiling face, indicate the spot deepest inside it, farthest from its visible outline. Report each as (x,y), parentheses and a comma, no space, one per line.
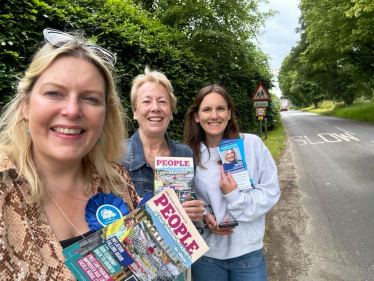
(153,109)
(66,111)
(230,155)
(213,116)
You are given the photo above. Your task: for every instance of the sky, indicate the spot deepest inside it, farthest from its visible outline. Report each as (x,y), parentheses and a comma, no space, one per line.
(279,33)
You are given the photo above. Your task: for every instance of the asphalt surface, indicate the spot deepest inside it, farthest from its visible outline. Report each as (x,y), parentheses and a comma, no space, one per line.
(334,165)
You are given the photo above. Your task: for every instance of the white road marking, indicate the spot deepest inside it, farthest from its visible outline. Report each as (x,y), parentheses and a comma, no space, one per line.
(312,142)
(295,139)
(326,137)
(345,131)
(324,123)
(331,135)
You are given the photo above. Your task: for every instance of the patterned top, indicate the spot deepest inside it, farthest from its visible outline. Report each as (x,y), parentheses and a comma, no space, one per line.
(29,249)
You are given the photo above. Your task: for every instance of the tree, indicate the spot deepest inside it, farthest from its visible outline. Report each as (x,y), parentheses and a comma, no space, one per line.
(326,63)
(137,34)
(339,38)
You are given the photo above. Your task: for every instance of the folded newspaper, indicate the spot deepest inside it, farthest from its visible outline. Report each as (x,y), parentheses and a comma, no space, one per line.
(157,241)
(232,155)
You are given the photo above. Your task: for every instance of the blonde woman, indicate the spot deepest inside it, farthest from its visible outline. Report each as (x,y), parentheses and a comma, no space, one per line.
(230,156)
(153,103)
(59,139)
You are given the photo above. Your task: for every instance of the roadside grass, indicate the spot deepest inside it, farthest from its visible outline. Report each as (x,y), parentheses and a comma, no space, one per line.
(275,142)
(358,111)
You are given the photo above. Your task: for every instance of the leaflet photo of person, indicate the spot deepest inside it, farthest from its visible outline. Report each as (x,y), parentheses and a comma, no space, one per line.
(125,230)
(158,183)
(230,156)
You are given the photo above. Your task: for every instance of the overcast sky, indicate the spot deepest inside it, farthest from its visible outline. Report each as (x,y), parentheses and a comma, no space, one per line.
(279,32)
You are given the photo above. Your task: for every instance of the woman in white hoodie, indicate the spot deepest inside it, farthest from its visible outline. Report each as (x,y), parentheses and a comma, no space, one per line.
(235,253)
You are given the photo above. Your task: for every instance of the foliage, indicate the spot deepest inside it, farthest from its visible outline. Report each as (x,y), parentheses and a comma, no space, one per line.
(334,57)
(190,53)
(360,6)
(273,113)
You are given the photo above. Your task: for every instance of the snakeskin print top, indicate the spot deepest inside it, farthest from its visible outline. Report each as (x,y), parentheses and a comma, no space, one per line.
(29,249)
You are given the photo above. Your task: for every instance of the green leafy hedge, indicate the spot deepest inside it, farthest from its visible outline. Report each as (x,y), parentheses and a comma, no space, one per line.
(138,39)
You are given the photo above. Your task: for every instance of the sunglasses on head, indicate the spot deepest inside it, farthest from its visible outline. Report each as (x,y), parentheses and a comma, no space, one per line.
(58,38)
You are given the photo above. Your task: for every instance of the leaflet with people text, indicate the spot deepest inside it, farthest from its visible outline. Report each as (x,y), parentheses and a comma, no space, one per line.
(176,173)
(157,241)
(232,155)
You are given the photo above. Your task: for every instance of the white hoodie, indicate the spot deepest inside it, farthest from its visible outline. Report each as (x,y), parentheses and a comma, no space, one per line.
(247,207)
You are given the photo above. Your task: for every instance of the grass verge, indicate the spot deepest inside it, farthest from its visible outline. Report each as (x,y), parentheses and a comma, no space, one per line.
(358,111)
(275,142)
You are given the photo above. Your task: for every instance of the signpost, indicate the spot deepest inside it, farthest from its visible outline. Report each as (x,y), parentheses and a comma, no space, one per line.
(260,94)
(260,111)
(261,98)
(261,103)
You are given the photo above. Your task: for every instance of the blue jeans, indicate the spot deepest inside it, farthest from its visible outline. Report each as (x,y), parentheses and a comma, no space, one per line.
(248,267)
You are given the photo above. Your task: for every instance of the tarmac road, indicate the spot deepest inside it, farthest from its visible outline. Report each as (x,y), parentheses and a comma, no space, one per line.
(334,166)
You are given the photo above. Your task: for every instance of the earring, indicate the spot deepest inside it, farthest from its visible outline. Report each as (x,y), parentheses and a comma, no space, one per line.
(28,131)
(100,139)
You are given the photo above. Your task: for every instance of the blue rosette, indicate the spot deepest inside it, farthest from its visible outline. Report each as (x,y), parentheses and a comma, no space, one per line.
(104,209)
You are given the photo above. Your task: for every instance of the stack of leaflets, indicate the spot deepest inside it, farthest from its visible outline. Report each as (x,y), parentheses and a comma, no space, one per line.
(176,173)
(157,241)
(232,155)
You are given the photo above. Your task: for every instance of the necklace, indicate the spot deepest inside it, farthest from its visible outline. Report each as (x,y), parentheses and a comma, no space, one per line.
(50,195)
(85,200)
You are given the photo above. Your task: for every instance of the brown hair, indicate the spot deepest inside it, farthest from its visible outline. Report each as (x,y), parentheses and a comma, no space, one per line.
(194,134)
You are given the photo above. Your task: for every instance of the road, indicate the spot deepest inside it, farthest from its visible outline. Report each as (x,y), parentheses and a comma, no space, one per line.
(334,165)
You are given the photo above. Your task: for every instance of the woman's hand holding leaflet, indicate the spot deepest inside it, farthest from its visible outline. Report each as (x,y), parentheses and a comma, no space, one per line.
(227,183)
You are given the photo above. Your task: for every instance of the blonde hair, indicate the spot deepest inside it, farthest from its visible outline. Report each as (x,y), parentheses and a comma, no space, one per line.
(154,77)
(225,155)
(16,143)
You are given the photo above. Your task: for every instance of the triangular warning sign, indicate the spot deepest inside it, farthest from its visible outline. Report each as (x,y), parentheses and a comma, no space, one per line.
(260,93)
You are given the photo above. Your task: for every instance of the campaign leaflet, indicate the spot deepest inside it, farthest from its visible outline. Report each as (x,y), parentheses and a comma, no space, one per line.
(232,155)
(176,173)
(154,242)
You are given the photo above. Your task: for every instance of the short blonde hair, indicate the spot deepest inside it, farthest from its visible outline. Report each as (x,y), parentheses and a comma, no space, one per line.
(16,143)
(154,77)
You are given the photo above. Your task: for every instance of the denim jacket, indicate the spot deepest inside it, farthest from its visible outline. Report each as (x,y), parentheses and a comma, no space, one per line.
(140,170)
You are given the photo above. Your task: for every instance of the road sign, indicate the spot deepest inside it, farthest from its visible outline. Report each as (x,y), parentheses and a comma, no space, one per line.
(260,93)
(261,103)
(260,111)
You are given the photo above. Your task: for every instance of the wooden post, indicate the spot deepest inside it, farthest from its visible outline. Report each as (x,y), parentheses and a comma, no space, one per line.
(266,128)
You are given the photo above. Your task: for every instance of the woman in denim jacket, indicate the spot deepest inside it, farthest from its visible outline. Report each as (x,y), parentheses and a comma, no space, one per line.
(153,103)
